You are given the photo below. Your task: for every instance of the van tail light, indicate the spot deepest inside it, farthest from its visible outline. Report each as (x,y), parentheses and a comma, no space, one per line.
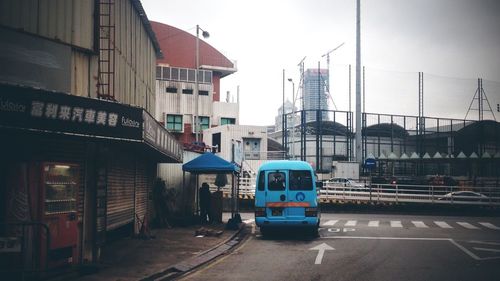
(311,212)
(260,212)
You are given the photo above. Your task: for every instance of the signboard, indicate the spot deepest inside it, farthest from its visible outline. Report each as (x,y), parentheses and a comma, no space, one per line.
(28,108)
(158,137)
(33,109)
(370,163)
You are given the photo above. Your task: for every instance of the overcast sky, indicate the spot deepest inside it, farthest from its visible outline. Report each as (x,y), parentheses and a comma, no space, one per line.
(453,42)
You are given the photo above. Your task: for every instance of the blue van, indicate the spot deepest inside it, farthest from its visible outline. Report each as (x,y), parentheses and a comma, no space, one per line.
(285,195)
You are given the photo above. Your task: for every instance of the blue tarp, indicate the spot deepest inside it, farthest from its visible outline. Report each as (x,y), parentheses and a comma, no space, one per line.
(209,163)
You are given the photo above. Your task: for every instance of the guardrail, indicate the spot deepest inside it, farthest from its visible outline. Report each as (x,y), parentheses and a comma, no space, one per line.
(414,194)
(390,193)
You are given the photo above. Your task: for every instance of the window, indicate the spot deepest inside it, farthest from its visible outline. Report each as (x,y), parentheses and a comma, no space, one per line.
(260,183)
(208,77)
(225,121)
(191,77)
(300,180)
(166,73)
(172,90)
(158,72)
(175,73)
(203,93)
(204,122)
(187,91)
(183,76)
(276,181)
(174,123)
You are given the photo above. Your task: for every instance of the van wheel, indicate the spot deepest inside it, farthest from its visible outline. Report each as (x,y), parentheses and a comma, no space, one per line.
(264,231)
(314,231)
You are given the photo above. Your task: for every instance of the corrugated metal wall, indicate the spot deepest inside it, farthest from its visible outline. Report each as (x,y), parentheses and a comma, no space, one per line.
(72,22)
(84,71)
(135,59)
(68,21)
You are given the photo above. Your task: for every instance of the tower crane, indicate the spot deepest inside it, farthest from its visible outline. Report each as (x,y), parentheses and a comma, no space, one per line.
(327,54)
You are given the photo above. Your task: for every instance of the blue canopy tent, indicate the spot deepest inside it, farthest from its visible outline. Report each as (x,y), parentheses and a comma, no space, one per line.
(209,163)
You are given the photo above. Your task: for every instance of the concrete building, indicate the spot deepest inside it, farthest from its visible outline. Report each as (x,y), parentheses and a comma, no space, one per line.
(80,145)
(314,95)
(175,84)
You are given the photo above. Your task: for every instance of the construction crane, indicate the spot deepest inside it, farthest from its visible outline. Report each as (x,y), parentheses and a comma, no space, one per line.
(328,61)
(327,54)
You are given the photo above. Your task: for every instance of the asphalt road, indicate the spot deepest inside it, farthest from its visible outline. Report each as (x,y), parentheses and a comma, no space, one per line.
(368,247)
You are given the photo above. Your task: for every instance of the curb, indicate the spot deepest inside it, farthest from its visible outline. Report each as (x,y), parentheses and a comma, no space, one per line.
(188,265)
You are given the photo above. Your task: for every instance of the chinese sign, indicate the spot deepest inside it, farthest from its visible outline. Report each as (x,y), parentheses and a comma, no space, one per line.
(62,113)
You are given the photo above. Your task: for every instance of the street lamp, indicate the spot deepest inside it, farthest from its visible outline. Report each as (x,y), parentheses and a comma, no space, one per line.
(205,35)
(293,118)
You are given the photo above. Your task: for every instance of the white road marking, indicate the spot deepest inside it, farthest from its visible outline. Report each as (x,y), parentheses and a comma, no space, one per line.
(321,251)
(467,225)
(249,221)
(489,225)
(443,224)
(487,250)
(396,224)
(351,223)
(373,224)
(420,224)
(484,242)
(465,250)
(330,223)
(387,238)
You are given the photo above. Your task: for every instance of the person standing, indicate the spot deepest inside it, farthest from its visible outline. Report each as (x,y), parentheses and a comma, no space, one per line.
(205,203)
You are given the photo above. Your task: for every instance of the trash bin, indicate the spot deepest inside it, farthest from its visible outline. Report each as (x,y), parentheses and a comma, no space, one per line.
(216,206)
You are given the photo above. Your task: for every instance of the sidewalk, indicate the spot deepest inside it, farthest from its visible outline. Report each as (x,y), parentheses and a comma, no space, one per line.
(177,249)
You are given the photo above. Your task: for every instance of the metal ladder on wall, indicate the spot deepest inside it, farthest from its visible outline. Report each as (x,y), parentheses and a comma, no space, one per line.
(106,66)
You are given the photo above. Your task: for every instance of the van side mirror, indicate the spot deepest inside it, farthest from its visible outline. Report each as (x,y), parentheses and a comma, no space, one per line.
(319,184)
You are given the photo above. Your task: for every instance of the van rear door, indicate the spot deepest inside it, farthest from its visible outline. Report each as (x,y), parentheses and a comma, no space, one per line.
(301,194)
(276,194)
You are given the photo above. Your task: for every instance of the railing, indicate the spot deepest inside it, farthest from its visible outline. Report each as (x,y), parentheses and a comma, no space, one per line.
(414,194)
(391,193)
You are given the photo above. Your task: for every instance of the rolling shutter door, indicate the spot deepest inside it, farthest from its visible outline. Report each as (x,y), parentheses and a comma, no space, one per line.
(141,193)
(120,193)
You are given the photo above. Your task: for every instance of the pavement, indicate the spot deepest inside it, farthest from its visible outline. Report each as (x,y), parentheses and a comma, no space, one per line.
(170,254)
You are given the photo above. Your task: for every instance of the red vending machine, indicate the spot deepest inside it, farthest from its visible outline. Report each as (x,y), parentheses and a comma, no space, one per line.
(60,183)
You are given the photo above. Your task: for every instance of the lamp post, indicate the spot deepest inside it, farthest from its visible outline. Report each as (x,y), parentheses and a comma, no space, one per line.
(205,35)
(293,119)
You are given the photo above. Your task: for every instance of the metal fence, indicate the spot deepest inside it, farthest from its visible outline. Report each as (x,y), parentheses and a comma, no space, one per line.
(401,144)
(424,194)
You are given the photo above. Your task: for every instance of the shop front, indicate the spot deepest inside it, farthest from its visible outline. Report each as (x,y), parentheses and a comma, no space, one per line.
(73,171)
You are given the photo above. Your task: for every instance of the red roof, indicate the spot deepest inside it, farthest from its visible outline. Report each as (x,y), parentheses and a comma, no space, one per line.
(179,48)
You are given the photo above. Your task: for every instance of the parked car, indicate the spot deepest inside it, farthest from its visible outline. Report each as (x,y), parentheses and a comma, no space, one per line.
(469,196)
(347,183)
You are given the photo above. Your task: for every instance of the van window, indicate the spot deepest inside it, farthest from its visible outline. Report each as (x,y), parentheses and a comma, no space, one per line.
(260,183)
(300,180)
(276,181)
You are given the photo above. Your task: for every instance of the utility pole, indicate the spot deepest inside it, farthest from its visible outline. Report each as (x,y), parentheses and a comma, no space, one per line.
(359,157)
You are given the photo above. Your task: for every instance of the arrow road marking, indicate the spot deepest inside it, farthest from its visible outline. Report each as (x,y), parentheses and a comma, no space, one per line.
(321,251)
